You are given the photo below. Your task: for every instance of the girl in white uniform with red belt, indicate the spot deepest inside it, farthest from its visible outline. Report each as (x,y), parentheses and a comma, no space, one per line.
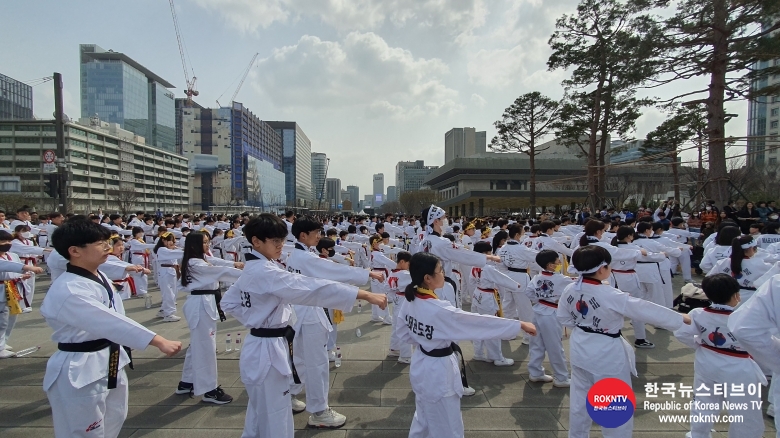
(167,262)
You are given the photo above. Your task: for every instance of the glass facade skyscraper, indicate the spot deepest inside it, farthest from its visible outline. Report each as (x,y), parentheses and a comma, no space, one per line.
(120,90)
(16,99)
(296,163)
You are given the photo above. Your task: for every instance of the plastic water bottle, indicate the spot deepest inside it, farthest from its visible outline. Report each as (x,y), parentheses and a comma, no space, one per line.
(338,357)
(357,332)
(238,341)
(360,306)
(148,301)
(228,347)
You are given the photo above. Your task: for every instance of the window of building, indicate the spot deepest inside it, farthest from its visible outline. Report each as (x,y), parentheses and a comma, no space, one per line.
(96,148)
(76,154)
(95,158)
(112,161)
(112,141)
(49,128)
(6,139)
(77,143)
(31,128)
(74,131)
(774,124)
(775,112)
(772,160)
(98,192)
(6,128)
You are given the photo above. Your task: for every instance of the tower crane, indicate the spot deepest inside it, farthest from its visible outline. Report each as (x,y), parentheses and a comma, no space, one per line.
(190,91)
(243,78)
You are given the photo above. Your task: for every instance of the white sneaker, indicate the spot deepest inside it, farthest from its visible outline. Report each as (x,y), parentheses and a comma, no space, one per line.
(393,353)
(562,383)
(505,362)
(468,391)
(171,318)
(406,360)
(329,419)
(770,411)
(8,347)
(543,379)
(297,405)
(160,314)
(377,319)
(387,321)
(5,354)
(482,359)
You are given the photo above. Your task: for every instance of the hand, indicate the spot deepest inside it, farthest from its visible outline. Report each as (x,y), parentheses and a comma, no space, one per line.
(33,269)
(377,299)
(687,319)
(169,348)
(26,276)
(146,271)
(238,265)
(643,251)
(528,328)
(378,276)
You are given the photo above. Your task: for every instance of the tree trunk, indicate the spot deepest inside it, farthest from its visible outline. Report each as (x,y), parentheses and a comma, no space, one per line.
(716,117)
(676,177)
(532,171)
(593,181)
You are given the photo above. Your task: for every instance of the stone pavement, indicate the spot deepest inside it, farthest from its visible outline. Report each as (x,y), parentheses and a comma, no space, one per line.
(371,390)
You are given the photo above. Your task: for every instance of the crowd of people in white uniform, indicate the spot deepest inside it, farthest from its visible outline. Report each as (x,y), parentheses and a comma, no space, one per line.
(290,280)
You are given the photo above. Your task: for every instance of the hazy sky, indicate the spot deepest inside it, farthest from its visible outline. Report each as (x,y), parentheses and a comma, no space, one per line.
(371,82)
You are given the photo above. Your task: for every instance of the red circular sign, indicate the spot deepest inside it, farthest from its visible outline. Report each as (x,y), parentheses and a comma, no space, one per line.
(49,156)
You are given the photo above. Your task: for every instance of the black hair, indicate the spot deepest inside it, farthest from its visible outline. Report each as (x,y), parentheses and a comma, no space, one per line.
(727,223)
(641,227)
(289,213)
(534,228)
(658,225)
(727,235)
(5,236)
(424,217)
(305,225)
(514,230)
(161,241)
(325,243)
(113,217)
(545,257)
(379,226)
(501,235)
(591,228)
(403,256)
(677,221)
(363,228)
(771,228)
(622,232)
(265,226)
(137,230)
(483,247)
(455,228)
(193,249)
(332,232)
(386,235)
(342,233)
(373,239)
(719,288)
(420,265)
(738,254)
(588,257)
(77,233)
(546,225)
(352,229)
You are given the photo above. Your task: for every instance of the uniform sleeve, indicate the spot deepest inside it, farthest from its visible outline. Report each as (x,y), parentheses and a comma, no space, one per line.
(723,266)
(530,291)
(9,266)
(321,268)
(562,312)
(219,262)
(306,291)
(775,270)
(754,322)
(114,269)
(92,316)
(23,250)
(708,262)
(454,323)
(500,279)
(468,258)
(687,334)
(211,274)
(561,248)
(386,262)
(651,313)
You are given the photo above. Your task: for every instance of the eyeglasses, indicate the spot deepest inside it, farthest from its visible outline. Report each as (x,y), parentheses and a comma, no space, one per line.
(276,242)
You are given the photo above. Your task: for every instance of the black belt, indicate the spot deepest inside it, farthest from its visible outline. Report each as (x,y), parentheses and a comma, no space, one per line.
(98,345)
(167,266)
(590,330)
(657,265)
(447,351)
(284,332)
(217,297)
(748,288)
(518,270)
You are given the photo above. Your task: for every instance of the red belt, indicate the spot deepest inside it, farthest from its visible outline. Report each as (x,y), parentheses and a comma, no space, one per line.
(145,256)
(29,260)
(381,269)
(630,271)
(235,255)
(492,291)
(727,352)
(130,283)
(548,304)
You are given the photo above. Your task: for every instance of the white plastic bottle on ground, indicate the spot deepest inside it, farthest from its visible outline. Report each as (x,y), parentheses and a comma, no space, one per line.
(228,346)
(338,357)
(238,341)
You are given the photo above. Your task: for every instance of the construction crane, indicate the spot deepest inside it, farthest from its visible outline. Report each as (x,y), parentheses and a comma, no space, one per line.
(191,91)
(243,78)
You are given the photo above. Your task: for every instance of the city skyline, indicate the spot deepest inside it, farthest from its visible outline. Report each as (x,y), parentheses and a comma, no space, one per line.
(414,76)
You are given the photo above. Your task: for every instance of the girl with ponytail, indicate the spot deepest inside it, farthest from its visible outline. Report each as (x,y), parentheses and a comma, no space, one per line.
(743,265)
(433,325)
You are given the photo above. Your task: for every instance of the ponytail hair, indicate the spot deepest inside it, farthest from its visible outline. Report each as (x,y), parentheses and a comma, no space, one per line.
(738,254)
(622,232)
(421,264)
(591,228)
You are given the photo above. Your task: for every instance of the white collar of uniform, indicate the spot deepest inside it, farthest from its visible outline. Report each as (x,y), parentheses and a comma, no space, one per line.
(258,255)
(721,307)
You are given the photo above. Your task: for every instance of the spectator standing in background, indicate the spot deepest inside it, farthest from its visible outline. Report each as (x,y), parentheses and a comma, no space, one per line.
(747,216)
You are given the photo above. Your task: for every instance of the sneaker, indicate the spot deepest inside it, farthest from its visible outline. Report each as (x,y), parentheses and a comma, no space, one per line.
(643,343)
(5,354)
(481,359)
(160,314)
(297,405)
(505,362)
(406,360)
(393,353)
(331,356)
(329,419)
(543,379)
(770,411)
(387,322)
(468,391)
(171,318)
(217,396)
(185,388)
(8,347)
(27,310)
(377,319)
(561,383)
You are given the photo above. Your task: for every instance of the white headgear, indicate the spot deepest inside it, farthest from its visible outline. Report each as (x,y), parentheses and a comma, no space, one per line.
(578,284)
(433,213)
(750,244)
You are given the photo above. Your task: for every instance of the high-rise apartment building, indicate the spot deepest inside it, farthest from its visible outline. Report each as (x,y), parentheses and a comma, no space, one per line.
(411,175)
(391,194)
(119,90)
(463,142)
(180,104)
(354,196)
(332,193)
(319,171)
(764,120)
(296,163)
(236,158)
(379,189)
(16,99)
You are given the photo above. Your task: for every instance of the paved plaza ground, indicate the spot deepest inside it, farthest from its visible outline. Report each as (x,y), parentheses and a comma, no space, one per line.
(370,389)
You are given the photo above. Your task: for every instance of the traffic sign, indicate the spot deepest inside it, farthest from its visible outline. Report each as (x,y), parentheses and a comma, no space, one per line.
(49,156)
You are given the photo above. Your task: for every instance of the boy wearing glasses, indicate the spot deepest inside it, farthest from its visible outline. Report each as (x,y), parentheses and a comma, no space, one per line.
(85,380)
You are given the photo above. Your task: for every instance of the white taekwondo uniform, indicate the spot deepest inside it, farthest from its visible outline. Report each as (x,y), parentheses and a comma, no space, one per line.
(313,326)
(28,253)
(83,309)
(663,293)
(140,254)
(626,278)
(381,264)
(713,255)
(167,260)
(7,320)
(201,312)
(449,254)
(485,301)
(721,360)
(597,350)
(544,290)
(396,283)
(518,260)
(433,325)
(116,270)
(261,299)
(752,270)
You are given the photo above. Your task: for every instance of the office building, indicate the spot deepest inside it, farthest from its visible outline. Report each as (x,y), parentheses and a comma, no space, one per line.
(120,90)
(319,171)
(110,166)
(16,99)
(764,120)
(332,193)
(354,195)
(379,189)
(235,157)
(296,164)
(180,104)
(463,142)
(391,194)
(411,175)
